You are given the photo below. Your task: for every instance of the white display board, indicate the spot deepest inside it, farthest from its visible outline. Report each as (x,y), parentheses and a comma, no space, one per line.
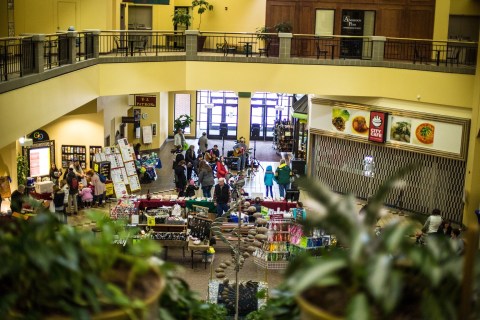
(147,134)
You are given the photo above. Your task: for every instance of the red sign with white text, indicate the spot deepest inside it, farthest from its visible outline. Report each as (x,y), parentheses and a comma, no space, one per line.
(378,126)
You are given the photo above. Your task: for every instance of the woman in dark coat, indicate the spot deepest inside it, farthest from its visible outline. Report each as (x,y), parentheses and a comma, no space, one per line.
(190,158)
(180,178)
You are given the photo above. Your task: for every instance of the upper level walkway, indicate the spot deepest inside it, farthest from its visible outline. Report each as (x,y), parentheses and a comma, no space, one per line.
(32,58)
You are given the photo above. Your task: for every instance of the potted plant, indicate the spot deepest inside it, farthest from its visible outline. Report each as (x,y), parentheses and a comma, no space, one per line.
(373,276)
(181,17)
(182,122)
(284,26)
(22,169)
(201,6)
(51,270)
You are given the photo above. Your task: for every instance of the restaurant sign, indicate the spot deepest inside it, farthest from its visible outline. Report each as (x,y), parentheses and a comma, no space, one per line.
(378,126)
(145,101)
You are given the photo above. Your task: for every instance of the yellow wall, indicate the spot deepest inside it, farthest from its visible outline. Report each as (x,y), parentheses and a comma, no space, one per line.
(440,24)
(164,117)
(8,163)
(79,129)
(152,115)
(3,19)
(243,121)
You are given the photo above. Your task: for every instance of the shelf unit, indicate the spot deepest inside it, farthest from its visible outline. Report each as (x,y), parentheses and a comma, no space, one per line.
(283,136)
(91,153)
(274,253)
(300,139)
(69,152)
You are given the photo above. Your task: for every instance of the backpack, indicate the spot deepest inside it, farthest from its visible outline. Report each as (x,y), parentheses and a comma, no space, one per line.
(103,179)
(74,183)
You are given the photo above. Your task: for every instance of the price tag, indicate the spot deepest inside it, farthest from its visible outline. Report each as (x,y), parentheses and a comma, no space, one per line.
(150,221)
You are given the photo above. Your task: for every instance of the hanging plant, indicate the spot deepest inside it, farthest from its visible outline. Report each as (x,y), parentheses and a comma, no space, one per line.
(182,122)
(22,169)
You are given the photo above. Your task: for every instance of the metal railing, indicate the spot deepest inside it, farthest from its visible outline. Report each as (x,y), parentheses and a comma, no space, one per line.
(140,42)
(16,57)
(430,51)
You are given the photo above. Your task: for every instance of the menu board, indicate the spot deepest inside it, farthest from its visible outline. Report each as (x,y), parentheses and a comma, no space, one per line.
(414,132)
(134,183)
(130,168)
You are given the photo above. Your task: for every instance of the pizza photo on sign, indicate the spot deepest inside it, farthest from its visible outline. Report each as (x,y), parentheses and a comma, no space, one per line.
(425,132)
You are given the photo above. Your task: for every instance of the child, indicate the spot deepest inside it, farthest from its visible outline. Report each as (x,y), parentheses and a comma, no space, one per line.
(65,189)
(58,201)
(87,196)
(190,191)
(268,180)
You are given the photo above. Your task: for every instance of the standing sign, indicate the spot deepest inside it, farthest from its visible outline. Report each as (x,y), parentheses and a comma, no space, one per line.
(352,25)
(378,126)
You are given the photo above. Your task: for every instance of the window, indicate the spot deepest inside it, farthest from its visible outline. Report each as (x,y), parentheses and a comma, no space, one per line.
(182,106)
(324,22)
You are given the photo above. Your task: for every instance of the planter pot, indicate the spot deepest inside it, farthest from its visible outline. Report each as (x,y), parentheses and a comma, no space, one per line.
(309,311)
(200,43)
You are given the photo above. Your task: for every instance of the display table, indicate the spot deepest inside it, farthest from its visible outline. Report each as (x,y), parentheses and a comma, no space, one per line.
(155,203)
(41,196)
(202,203)
(283,205)
(199,249)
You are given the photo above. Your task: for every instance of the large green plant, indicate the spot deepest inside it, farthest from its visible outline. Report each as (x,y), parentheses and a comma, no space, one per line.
(375,276)
(201,6)
(284,26)
(181,17)
(22,169)
(182,122)
(50,269)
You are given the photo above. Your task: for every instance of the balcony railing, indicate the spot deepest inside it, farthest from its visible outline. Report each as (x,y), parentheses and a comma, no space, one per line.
(20,56)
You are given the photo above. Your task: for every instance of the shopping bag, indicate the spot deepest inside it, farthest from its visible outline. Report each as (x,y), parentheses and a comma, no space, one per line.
(185,146)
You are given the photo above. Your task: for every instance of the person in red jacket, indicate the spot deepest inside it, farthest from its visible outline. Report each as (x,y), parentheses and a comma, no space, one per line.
(221,168)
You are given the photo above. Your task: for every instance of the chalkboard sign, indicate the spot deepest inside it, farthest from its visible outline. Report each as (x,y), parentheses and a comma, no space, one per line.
(199,227)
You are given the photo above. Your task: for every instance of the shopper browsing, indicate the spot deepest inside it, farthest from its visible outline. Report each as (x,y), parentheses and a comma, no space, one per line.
(268,180)
(282,177)
(203,143)
(99,188)
(205,178)
(221,197)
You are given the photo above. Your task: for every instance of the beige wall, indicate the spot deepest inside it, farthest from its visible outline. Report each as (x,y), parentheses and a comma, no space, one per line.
(464,7)
(164,117)
(8,162)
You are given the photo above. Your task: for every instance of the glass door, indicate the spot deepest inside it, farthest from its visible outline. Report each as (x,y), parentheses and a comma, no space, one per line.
(258,118)
(215,108)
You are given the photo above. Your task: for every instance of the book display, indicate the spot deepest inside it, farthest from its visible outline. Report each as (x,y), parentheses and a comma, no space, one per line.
(283,136)
(70,152)
(92,150)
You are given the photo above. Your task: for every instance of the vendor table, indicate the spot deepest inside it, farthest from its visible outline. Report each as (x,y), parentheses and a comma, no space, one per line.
(203,203)
(283,205)
(200,249)
(155,203)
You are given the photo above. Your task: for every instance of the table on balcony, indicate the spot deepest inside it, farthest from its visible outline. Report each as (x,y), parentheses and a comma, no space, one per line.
(248,47)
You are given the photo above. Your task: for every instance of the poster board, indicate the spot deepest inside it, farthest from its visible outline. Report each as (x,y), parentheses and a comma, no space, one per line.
(147,134)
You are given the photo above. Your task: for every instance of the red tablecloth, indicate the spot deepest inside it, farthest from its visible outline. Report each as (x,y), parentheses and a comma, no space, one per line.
(155,203)
(283,205)
(41,196)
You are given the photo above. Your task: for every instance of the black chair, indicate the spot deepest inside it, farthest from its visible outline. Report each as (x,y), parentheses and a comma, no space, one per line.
(141,45)
(453,55)
(419,54)
(320,52)
(228,48)
(121,46)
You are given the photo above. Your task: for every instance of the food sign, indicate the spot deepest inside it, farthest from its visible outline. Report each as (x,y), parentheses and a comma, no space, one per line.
(378,124)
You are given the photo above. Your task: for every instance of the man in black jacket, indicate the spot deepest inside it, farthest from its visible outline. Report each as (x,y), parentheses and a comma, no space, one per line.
(17,199)
(221,197)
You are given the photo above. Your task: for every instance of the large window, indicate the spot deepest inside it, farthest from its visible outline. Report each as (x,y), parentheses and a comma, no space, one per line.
(182,106)
(215,108)
(324,22)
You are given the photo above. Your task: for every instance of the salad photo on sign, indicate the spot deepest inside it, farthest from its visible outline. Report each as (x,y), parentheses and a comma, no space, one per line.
(401,129)
(340,118)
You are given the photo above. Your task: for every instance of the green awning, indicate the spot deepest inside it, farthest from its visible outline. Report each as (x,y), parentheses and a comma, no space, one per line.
(300,108)
(300,116)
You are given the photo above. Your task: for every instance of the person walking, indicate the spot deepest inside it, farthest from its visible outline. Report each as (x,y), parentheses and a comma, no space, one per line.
(282,177)
(205,178)
(189,160)
(179,140)
(268,180)
(203,143)
(221,197)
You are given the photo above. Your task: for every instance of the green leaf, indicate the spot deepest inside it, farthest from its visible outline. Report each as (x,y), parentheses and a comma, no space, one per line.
(309,277)
(358,308)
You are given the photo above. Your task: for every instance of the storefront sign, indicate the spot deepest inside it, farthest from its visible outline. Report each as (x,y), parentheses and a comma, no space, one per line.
(145,101)
(39,135)
(378,125)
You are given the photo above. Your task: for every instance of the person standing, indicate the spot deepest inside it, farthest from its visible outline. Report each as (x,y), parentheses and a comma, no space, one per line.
(189,160)
(99,188)
(58,197)
(179,140)
(205,178)
(72,182)
(55,174)
(221,168)
(282,177)
(268,180)
(203,143)
(180,178)
(17,199)
(221,197)
(241,152)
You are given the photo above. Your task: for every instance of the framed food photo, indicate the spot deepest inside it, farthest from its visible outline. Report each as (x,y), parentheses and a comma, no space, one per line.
(423,133)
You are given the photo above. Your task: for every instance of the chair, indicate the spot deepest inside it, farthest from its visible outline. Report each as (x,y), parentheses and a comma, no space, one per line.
(319,51)
(265,50)
(453,55)
(141,45)
(420,55)
(120,48)
(228,48)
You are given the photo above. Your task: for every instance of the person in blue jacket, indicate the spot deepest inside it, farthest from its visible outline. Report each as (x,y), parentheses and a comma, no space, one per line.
(268,180)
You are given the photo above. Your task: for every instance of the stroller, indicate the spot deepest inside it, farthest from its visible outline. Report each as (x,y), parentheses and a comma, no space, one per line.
(148,175)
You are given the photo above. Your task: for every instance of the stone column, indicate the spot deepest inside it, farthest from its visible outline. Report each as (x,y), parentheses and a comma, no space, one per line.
(285,45)
(95,33)
(378,47)
(72,47)
(191,42)
(39,59)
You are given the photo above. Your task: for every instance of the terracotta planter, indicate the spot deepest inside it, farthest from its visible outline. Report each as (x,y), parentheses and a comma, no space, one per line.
(309,311)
